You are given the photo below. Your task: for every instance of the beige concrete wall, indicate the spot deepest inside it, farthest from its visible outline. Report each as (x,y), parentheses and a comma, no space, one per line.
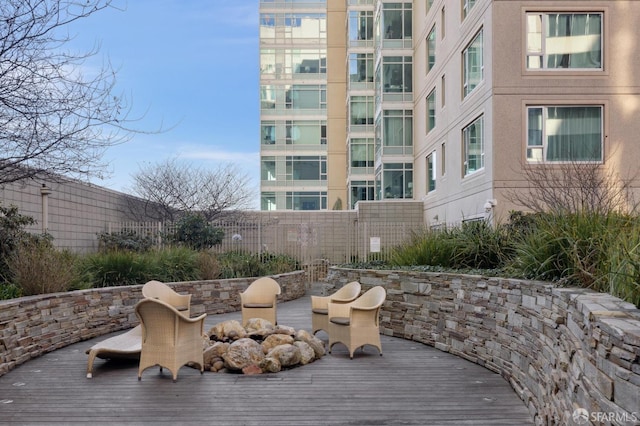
(456,197)
(505,92)
(77,211)
(616,87)
(336,104)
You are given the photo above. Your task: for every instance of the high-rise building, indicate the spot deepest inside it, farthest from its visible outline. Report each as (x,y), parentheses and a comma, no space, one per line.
(293,105)
(457,103)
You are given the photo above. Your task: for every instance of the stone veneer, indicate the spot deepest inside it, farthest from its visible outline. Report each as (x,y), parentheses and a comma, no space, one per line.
(559,348)
(34,325)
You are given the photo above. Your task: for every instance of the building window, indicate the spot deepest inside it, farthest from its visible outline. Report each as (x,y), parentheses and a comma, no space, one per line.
(472,65)
(431,172)
(431,110)
(361,67)
(362,190)
(431,49)
(564,40)
(429,4)
(305,132)
(306,168)
(268,201)
(397,74)
(467,5)
(564,133)
(397,180)
(268,169)
(443,157)
(443,17)
(306,200)
(397,127)
(396,21)
(306,96)
(361,154)
(268,130)
(361,110)
(361,25)
(473,146)
(443,90)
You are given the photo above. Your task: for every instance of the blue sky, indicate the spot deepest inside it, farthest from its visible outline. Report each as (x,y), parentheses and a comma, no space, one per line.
(187,65)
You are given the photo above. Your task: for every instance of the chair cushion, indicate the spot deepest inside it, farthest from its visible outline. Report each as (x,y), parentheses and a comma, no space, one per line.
(258,305)
(340,320)
(320,311)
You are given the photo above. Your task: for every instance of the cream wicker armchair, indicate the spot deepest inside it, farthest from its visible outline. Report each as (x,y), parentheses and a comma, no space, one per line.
(260,299)
(169,339)
(357,323)
(320,305)
(161,291)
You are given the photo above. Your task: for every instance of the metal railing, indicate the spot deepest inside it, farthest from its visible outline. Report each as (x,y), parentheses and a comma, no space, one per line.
(314,244)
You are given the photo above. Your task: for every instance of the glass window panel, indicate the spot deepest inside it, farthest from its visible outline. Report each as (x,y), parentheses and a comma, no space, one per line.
(473,64)
(564,40)
(431,49)
(362,110)
(361,67)
(397,180)
(397,128)
(268,201)
(473,140)
(466,7)
(431,110)
(268,169)
(431,172)
(397,74)
(361,151)
(362,191)
(268,130)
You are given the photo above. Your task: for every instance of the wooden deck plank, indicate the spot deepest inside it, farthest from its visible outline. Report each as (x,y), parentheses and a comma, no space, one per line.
(411,384)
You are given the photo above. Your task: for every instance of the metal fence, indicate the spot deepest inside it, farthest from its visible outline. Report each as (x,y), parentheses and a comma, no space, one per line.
(314,244)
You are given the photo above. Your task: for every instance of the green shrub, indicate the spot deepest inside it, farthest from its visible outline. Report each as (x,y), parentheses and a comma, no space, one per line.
(116,268)
(195,232)
(479,245)
(238,264)
(9,291)
(172,264)
(37,268)
(124,240)
(427,247)
(12,233)
(208,265)
(472,245)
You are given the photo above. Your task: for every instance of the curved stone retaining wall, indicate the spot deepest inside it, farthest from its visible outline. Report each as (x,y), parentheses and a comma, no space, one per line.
(561,349)
(31,326)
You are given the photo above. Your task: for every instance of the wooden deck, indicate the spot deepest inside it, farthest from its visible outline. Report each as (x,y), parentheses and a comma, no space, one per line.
(411,384)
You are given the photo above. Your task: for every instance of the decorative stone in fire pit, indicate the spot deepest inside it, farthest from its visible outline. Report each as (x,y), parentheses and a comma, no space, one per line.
(259,347)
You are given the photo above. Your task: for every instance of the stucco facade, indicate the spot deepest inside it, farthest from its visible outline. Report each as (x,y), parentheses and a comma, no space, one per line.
(507,91)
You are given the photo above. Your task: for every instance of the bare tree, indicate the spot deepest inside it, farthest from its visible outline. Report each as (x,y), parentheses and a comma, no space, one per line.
(54,120)
(574,187)
(173,188)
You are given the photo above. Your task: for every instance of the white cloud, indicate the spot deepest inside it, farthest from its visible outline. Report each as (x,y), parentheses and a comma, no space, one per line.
(207,154)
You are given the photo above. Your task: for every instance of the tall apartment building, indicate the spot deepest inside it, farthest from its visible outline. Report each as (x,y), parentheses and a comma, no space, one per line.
(293,105)
(451,102)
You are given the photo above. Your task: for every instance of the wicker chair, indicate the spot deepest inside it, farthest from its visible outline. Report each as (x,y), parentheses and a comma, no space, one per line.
(169,339)
(357,323)
(260,299)
(157,290)
(320,305)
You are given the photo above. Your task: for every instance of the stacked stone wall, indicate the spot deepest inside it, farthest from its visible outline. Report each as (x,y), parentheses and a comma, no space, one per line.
(34,325)
(561,349)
